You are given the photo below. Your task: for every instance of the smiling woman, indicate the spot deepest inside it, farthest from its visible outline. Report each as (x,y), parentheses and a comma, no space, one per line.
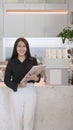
(18,66)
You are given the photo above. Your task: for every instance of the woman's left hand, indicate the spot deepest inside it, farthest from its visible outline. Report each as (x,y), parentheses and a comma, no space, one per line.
(32,77)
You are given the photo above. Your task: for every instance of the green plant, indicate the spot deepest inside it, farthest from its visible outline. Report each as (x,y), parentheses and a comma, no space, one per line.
(67,33)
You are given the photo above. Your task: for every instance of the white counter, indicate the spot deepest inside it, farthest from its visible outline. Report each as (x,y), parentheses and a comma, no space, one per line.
(54,108)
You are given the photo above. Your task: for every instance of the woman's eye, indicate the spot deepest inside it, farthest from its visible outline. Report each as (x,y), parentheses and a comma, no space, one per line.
(24,46)
(21,46)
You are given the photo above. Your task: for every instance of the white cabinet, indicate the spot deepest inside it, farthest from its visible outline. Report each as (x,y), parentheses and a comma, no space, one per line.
(27,25)
(33,24)
(14,25)
(57,71)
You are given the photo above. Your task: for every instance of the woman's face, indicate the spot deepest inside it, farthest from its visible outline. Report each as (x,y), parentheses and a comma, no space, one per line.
(21,48)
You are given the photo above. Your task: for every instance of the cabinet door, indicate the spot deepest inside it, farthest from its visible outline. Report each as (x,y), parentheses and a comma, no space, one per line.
(57,76)
(34,25)
(29,25)
(14,25)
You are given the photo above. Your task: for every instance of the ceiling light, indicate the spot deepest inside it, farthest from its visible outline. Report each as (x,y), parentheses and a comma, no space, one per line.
(37,11)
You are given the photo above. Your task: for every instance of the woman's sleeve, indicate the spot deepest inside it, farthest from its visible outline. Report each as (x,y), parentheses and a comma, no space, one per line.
(7,78)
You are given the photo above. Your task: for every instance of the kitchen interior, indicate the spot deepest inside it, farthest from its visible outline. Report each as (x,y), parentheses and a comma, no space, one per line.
(40,22)
(42,35)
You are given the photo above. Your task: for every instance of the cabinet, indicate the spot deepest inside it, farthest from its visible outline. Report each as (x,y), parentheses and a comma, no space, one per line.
(57,71)
(33,24)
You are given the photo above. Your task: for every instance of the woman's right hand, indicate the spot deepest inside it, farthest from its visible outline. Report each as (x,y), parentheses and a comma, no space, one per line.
(22,84)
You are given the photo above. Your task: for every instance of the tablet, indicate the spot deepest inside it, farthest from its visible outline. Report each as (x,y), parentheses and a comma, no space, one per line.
(34,70)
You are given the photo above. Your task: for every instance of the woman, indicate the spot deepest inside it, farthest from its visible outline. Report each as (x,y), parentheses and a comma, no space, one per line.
(23,96)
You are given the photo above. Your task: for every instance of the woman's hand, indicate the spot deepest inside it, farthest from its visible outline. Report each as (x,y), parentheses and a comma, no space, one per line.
(22,84)
(32,77)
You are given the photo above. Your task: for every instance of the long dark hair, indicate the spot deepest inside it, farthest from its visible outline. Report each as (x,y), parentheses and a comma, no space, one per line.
(15,54)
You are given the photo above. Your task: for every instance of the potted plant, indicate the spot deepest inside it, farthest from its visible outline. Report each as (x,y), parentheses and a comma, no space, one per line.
(67,33)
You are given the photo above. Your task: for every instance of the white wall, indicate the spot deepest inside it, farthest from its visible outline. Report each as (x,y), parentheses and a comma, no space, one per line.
(70,3)
(1,29)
